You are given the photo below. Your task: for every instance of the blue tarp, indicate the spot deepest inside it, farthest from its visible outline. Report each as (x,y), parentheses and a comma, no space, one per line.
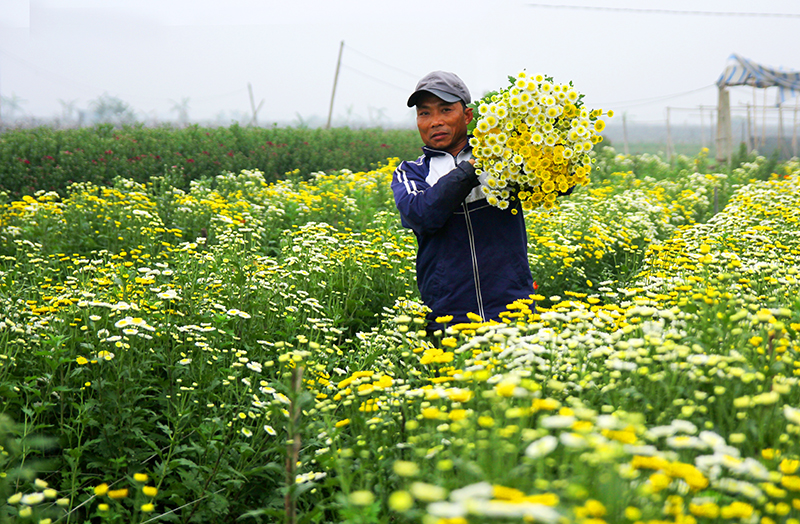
(743,72)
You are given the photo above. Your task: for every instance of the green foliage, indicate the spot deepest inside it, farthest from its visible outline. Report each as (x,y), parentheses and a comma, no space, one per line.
(46,159)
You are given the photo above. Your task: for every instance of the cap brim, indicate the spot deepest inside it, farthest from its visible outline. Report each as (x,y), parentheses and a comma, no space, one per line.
(447,97)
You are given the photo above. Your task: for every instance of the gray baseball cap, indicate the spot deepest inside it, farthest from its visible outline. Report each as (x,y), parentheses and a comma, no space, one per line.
(446,86)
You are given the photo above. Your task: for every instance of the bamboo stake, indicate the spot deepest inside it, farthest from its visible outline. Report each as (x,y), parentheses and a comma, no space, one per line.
(625,133)
(794,127)
(702,129)
(254,121)
(780,130)
(764,122)
(293,445)
(669,139)
(335,80)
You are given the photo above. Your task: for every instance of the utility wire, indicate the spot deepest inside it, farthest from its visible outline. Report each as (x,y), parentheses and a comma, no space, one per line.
(664,11)
(412,75)
(375,78)
(645,101)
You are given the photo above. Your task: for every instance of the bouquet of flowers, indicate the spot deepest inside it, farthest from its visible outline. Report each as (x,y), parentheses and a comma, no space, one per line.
(531,140)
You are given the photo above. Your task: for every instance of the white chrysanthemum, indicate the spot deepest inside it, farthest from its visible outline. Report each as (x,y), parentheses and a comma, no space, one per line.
(712,439)
(169,294)
(480,490)
(447,510)
(558,421)
(686,442)
(573,440)
(791,414)
(542,447)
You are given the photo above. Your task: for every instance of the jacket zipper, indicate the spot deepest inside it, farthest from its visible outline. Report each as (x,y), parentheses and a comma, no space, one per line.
(473,253)
(474,257)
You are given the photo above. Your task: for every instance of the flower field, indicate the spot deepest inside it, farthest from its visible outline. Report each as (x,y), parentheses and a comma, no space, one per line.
(255,351)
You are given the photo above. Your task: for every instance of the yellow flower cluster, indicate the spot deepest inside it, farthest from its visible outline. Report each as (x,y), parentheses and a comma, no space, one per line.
(533,139)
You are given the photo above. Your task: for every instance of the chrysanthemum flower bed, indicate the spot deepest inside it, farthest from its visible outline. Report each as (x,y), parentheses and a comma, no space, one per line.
(244,348)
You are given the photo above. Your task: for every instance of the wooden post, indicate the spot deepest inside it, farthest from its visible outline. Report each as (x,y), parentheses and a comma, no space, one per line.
(724,146)
(712,128)
(702,129)
(669,139)
(754,138)
(780,131)
(335,80)
(625,133)
(764,122)
(255,109)
(794,128)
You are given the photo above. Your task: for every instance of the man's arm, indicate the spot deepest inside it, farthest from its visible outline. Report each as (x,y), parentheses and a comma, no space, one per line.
(426,208)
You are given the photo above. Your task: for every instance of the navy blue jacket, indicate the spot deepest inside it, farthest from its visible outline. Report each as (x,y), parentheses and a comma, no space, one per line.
(472,257)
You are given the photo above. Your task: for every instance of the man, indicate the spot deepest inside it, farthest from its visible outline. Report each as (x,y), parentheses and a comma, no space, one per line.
(472,257)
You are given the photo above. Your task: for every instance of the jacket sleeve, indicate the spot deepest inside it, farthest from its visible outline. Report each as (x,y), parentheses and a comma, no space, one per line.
(425,208)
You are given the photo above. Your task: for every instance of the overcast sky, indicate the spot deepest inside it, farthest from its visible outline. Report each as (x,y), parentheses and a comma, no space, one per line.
(154,54)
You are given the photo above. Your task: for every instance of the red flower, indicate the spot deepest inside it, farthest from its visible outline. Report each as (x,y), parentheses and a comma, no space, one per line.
(535,286)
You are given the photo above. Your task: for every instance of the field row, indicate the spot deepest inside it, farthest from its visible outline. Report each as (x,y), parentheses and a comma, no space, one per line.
(262,345)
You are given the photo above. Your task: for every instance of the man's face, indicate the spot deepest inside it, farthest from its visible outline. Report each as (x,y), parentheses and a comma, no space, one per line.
(443,125)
